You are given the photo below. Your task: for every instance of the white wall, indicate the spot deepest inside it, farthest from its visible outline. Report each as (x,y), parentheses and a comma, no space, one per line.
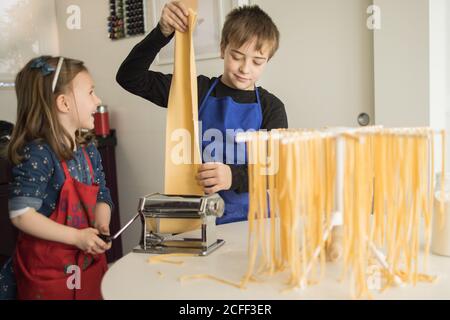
(440,71)
(27,29)
(8,104)
(323,74)
(401,48)
(412,69)
(323,71)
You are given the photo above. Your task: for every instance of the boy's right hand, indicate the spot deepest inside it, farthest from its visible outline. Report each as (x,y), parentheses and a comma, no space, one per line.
(174,17)
(88,241)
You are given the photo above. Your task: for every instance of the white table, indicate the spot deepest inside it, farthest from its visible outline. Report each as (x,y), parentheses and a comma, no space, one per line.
(133,278)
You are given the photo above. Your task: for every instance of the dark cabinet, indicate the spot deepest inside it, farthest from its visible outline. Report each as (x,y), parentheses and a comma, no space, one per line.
(106,147)
(8,232)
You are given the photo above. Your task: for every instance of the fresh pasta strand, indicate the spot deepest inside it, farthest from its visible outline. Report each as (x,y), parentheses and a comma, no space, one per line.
(209,277)
(165,258)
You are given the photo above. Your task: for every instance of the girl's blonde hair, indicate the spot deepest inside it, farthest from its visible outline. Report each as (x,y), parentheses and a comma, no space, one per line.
(36,108)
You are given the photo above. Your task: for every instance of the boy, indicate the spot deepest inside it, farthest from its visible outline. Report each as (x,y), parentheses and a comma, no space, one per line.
(229,102)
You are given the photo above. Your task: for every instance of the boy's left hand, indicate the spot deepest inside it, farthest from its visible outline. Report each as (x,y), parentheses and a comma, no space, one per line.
(214,177)
(104,229)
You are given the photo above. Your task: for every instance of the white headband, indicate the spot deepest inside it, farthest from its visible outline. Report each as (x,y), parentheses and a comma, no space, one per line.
(57,72)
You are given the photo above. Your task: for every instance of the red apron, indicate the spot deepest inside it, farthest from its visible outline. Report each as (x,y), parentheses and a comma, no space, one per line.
(44,268)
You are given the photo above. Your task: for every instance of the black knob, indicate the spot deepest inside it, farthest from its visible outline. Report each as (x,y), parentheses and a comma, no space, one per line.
(363,119)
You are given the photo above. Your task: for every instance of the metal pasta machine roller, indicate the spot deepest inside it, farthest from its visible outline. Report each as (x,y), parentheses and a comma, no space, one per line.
(157,211)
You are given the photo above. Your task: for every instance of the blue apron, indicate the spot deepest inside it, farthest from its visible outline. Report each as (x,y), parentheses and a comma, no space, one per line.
(221,114)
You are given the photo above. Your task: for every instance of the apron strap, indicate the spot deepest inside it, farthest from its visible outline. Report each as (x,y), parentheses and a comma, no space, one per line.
(258,99)
(88,160)
(66,170)
(208,93)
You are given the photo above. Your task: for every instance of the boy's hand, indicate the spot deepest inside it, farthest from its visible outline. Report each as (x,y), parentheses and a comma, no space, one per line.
(214,177)
(88,241)
(174,17)
(104,229)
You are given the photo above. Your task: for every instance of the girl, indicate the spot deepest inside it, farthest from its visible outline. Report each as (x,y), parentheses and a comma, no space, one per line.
(58,197)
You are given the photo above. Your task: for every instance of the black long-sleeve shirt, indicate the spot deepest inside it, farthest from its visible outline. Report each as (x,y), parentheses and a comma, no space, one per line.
(135,77)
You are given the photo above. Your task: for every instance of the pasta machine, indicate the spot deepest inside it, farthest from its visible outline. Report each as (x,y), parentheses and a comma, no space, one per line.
(202,211)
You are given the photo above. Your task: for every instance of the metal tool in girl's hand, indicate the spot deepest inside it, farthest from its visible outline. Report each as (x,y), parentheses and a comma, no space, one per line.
(107,238)
(158,206)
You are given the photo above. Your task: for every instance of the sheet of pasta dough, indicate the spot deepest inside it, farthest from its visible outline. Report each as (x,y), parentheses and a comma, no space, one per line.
(182,118)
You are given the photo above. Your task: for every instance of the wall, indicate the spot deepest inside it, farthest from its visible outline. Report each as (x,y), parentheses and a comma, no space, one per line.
(412,69)
(439,86)
(323,74)
(402,64)
(323,71)
(27,29)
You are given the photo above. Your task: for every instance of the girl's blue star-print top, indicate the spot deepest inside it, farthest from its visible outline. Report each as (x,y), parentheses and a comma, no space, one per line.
(38,179)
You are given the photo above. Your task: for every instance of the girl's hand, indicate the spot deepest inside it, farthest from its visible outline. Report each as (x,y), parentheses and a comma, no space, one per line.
(88,241)
(104,229)
(214,177)
(174,17)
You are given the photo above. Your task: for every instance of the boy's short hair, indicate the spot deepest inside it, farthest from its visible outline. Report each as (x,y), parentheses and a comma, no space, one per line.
(247,22)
